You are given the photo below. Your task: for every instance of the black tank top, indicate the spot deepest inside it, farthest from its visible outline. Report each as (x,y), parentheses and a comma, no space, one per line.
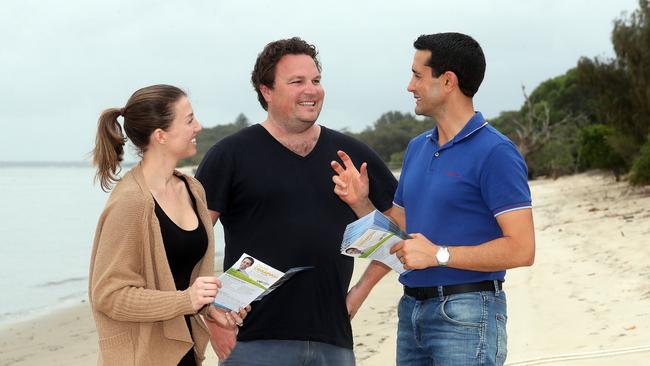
(184,250)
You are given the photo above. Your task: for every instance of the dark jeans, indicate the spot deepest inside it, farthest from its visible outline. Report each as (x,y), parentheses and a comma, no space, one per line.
(288,353)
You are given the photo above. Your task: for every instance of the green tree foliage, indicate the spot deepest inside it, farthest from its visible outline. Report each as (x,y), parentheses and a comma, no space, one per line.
(554,159)
(566,96)
(596,150)
(391,133)
(533,126)
(396,160)
(640,172)
(547,127)
(622,85)
(210,136)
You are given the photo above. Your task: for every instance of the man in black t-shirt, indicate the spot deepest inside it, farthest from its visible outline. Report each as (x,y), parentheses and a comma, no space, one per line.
(271,186)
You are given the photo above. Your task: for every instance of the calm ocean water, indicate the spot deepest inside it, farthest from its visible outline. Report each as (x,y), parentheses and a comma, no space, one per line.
(48,216)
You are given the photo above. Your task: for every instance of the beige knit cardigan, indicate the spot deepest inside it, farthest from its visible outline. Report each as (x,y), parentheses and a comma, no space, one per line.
(138,311)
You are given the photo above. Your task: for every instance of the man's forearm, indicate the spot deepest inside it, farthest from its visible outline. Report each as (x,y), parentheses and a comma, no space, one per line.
(373,274)
(363,208)
(496,255)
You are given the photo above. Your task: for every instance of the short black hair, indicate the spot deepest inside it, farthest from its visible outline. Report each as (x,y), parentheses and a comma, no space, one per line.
(264,70)
(250,259)
(458,53)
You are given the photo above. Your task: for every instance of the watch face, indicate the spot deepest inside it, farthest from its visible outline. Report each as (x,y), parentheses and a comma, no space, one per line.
(443,255)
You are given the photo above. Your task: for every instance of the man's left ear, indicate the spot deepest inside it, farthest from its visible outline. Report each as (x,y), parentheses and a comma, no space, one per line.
(450,79)
(266,92)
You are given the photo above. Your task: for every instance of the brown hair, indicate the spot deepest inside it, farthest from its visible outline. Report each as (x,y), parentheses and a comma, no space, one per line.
(146,110)
(264,70)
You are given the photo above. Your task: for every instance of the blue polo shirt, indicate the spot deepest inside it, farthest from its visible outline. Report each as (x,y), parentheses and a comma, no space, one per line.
(453,193)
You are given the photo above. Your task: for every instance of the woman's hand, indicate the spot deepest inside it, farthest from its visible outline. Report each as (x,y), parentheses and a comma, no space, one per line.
(203,291)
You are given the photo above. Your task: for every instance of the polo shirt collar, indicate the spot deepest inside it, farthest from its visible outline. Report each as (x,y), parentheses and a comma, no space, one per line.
(473,125)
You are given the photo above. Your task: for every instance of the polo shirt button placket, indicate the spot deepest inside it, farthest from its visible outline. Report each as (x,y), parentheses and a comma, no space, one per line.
(432,163)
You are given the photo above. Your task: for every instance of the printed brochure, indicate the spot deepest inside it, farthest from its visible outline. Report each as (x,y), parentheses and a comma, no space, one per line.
(371,237)
(249,280)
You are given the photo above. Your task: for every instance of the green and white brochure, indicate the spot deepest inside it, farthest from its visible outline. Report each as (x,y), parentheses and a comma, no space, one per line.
(248,280)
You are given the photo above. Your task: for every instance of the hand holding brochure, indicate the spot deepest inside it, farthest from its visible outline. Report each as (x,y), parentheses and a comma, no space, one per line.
(249,280)
(372,236)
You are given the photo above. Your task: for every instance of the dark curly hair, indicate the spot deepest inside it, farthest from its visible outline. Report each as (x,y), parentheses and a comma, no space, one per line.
(264,70)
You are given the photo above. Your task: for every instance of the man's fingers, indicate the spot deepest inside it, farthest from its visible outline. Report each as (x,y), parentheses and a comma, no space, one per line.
(337,167)
(340,191)
(397,247)
(238,320)
(243,312)
(364,171)
(416,235)
(352,314)
(339,182)
(346,160)
(230,320)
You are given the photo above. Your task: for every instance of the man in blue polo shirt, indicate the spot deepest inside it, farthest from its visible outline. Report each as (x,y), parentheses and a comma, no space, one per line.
(464,198)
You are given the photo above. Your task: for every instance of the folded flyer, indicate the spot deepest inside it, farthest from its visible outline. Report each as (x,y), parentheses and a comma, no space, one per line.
(372,236)
(249,280)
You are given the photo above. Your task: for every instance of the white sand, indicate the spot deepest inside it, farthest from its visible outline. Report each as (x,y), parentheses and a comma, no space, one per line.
(588,291)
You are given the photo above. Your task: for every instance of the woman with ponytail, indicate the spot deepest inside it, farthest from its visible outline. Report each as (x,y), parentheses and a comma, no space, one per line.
(151,268)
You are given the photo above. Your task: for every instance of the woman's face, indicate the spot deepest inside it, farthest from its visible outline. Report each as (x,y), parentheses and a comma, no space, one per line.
(181,134)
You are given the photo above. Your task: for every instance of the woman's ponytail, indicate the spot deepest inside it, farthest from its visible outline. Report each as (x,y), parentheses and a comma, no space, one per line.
(109,148)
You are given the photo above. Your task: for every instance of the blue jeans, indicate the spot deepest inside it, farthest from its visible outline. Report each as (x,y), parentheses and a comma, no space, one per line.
(289,353)
(458,330)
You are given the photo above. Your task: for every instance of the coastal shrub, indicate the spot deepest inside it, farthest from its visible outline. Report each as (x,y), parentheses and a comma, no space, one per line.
(596,152)
(396,160)
(640,172)
(211,135)
(555,159)
(392,132)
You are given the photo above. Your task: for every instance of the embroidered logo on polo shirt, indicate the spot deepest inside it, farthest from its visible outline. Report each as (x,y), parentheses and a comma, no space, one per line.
(453,174)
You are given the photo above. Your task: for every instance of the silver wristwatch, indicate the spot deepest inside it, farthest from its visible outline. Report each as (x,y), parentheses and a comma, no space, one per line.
(442,256)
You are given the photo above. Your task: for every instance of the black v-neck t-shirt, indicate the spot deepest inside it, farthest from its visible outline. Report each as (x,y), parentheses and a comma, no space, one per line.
(281,208)
(184,249)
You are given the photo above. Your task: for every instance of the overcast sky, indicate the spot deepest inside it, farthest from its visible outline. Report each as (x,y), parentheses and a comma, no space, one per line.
(62,62)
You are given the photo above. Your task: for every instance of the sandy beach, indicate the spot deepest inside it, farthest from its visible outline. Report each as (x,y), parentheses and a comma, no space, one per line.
(586,301)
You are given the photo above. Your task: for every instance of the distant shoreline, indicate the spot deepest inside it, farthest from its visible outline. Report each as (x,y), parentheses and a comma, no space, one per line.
(55,164)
